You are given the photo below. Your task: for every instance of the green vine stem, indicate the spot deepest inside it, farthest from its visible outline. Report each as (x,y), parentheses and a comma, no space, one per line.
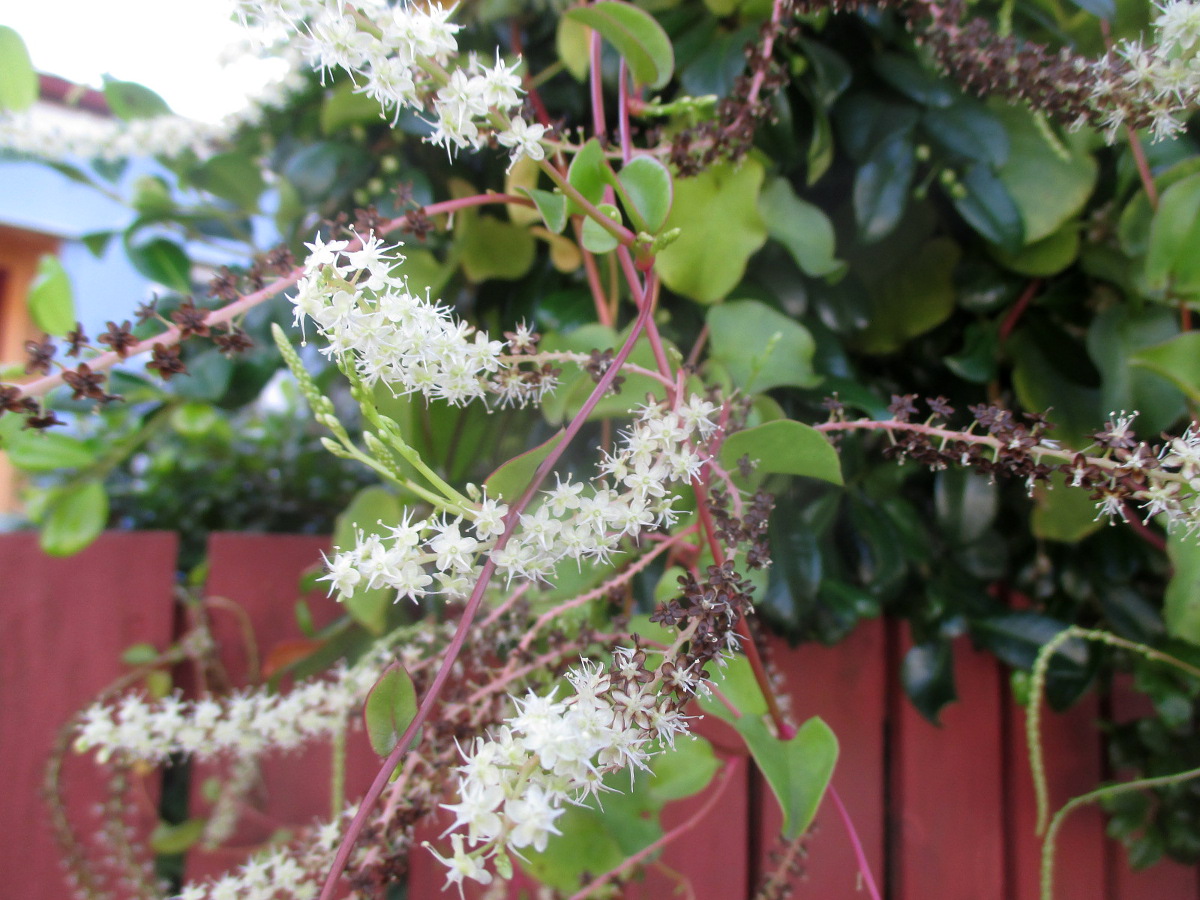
(1037,763)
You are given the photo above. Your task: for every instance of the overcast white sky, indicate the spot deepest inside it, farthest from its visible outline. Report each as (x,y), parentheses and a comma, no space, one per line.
(171,46)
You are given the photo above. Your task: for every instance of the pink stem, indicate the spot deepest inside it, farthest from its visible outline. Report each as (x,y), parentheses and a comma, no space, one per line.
(598,124)
(472,607)
(724,777)
(864,867)
(623,112)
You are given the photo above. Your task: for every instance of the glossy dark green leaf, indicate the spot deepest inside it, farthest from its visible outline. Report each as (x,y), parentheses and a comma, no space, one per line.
(911,299)
(977,360)
(128,100)
(51,300)
(784,447)
(390,708)
(231,176)
(1016,638)
(831,74)
(647,182)
(966,504)
(163,262)
(877,553)
(760,347)
(866,120)
(881,187)
(967,128)
(321,173)
(913,80)
(18,78)
(988,208)
(927,675)
(637,36)
(76,517)
(209,375)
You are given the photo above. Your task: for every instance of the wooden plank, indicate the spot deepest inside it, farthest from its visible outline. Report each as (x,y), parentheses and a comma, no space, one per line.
(1166,880)
(948,787)
(254,581)
(1073,754)
(846,685)
(65,624)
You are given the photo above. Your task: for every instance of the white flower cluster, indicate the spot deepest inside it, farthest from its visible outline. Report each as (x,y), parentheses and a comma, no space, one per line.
(1166,483)
(1164,76)
(573,520)
(369,317)
(246,723)
(277,873)
(399,54)
(513,786)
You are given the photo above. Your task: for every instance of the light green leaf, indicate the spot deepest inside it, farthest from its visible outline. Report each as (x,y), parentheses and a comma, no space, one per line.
(1177,360)
(552,206)
(587,175)
(390,708)
(801,227)
(881,187)
(345,107)
(1033,164)
(194,419)
(511,479)
(18,78)
(785,447)
(128,100)
(47,451)
(231,176)
(491,248)
(798,769)
(717,212)
(373,510)
(75,519)
(637,36)
(760,347)
(170,840)
(595,238)
(571,40)
(648,184)
(51,300)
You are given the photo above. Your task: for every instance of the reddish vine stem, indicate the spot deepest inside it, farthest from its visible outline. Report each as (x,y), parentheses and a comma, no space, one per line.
(1018,309)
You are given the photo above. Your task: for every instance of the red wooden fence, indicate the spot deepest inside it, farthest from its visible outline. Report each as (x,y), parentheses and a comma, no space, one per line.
(941,812)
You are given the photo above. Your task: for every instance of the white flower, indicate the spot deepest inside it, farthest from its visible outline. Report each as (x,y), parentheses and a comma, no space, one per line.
(524,139)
